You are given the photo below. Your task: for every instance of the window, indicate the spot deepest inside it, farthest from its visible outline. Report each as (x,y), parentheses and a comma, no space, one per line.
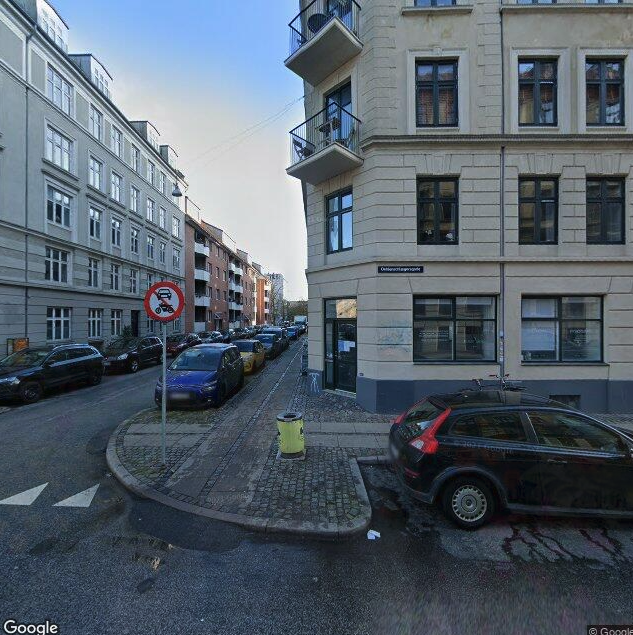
(150,280)
(95,169)
(537,92)
(117,141)
(454,329)
(538,211)
(436,93)
(605,92)
(224,276)
(151,208)
(162,248)
(150,247)
(150,325)
(56,265)
(133,280)
(93,272)
(101,82)
(135,195)
(135,232)
(95,319)
(176,259)
(115,277)
(151,172)
(162,214)
(566,430)
(217,294)
(605,211)
(136,159)
(115,232)
(59,149)
(96,123)
(494,426)
(437,211)
(561,329)
(162,180)
(57,323)
(339,222)
(175,226)
(116,183)
(59,91)
(116,321)
(95,223)
(218,251)
(57,207)
(217,271)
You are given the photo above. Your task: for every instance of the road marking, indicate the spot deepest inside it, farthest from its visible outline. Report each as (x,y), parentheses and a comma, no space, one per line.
(24,498)
(83,499)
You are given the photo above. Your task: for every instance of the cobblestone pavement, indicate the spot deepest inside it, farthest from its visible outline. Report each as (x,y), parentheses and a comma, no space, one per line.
(223,462)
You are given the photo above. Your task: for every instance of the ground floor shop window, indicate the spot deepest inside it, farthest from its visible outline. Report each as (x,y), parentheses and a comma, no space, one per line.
(454,329)
(561,329)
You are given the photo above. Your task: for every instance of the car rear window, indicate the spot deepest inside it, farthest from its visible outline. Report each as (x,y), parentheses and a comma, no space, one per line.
(495,426)
(244,347)
(197,359)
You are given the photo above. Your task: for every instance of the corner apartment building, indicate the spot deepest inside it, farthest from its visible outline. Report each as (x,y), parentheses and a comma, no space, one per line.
(87,216)
(468,178)
(262,296)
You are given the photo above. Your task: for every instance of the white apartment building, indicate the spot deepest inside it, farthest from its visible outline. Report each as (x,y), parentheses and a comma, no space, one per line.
(468,184)
(88,219)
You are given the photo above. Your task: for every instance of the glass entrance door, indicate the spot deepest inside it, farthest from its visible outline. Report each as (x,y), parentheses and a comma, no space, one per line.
(340,344)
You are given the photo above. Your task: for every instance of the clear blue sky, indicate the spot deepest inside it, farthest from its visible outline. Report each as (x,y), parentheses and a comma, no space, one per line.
(203,71)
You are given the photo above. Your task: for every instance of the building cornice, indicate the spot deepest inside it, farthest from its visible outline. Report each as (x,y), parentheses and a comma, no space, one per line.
(567,7)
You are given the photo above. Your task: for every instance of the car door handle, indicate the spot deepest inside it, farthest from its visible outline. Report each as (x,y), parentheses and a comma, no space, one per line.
(557,461)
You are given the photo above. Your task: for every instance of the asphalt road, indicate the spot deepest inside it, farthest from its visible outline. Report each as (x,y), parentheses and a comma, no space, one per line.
(124,565)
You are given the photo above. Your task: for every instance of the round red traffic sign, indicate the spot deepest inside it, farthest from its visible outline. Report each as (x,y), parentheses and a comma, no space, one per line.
(164,301)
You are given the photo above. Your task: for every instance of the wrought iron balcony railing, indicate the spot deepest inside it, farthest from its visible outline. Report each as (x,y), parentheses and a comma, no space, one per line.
(332,125)
(319,13)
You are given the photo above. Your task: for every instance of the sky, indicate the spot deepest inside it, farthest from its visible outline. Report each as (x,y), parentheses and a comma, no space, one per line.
(206,73)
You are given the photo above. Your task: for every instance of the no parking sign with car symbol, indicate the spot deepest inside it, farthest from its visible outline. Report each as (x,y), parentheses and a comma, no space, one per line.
(164,301)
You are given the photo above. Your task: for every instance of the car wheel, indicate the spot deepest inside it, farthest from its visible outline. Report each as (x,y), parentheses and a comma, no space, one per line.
(30,392)
(468,502)
(133,365)
(94,378)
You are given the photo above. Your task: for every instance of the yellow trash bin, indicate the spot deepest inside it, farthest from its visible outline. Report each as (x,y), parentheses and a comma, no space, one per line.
(290,434)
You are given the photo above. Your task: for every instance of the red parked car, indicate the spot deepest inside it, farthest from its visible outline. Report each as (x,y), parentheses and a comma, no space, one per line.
(178,342)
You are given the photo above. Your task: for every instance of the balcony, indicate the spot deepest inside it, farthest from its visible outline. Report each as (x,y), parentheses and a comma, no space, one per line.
(325,145)
(236,287)
(202,300)
(201,274)
(201,250)
(323,37)
(234,306)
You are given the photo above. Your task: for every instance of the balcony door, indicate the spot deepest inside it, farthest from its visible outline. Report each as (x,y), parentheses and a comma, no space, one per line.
(338,108)
(340,344)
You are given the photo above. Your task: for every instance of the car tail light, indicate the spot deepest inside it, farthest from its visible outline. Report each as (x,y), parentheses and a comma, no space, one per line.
(427,442)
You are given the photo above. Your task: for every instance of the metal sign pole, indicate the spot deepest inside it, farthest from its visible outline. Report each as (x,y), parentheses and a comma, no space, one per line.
(164,398)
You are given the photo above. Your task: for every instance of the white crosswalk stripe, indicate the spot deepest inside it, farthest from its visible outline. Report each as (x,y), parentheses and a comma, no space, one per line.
(83,499)
(24,498)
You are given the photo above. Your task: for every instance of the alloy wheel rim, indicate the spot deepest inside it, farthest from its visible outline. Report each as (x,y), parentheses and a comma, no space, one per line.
(30,392)
(469,503)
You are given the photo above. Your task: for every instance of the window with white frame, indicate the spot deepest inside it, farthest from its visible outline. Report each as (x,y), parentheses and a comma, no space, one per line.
(151,172)
(95,173)
(162,180)
(95,320)
(95,124)
(176,259)
(150,325)
(59,148)
(101,82)
(94,268)
(133,280)
(162,215)
(116,187)
(175,226)
(117,141)
(57,323)
(135,195)
(95,223)
(59,91)
(58,206)
(136,159)
(56,265)
(151,210)
(115,232)
(150,280)
(162,250)
(150,247)
(116,321)
(115,277)
(135,233)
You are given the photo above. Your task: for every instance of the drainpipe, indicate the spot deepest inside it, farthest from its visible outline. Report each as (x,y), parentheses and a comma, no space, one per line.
(502,238)
(27,72)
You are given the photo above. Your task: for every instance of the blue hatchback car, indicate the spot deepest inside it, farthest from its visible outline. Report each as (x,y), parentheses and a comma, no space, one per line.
(202,375)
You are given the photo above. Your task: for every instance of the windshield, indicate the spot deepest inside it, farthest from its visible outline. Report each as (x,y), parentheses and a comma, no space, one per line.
(120,344)
(24,358)
(175,338)
(197,359)
(244,347)
(266,338)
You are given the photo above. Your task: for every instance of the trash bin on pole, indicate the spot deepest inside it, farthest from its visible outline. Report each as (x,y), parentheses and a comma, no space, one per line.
(290,434)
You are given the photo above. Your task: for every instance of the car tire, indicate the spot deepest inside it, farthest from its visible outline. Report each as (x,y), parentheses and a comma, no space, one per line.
(468,501)
(31,392)
(133,365)
(94,378)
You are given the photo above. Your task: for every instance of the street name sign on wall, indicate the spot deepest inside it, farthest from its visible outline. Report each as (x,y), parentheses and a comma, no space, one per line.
(164,301)
(400,269)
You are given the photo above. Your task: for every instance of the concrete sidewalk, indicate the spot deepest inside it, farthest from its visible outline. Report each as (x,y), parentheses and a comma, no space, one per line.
(222,462)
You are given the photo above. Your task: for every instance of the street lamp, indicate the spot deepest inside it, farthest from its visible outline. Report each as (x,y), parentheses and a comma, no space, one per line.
(176,193)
